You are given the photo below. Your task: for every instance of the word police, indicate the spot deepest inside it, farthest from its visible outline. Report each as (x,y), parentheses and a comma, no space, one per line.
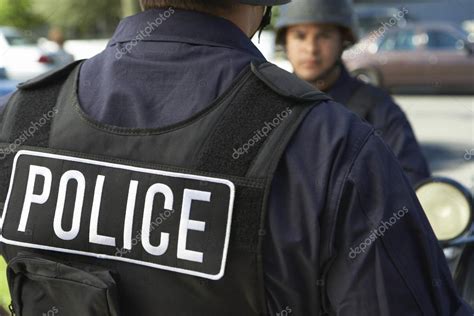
(89,207)
(69,176)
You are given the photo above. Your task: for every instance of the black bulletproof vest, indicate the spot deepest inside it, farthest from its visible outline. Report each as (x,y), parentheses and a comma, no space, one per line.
(166,221)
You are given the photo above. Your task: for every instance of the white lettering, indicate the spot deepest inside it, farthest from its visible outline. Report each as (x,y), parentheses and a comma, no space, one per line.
(94,237)
(127,230)
(30,197)
(147,213)
(186,224)
(58,215)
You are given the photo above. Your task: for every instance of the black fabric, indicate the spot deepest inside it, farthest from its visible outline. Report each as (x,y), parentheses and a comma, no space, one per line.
(255,108)
(247,221)
(48,78)
(237,128)
(40,286)
(364,100)
(286,84)
(43,92)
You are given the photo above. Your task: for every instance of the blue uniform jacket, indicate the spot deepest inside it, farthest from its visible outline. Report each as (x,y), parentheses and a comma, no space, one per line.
(336,186)
(390,122)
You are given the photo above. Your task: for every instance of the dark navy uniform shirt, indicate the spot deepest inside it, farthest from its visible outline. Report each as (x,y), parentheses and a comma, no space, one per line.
(334,185)
(390,122)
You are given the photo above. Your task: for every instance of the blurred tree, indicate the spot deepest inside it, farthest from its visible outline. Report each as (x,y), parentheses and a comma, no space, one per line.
(130,7)
(84,19)
(19,13)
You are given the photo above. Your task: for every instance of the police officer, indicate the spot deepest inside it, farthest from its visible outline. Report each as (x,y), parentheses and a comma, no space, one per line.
(314,34)
(179,173)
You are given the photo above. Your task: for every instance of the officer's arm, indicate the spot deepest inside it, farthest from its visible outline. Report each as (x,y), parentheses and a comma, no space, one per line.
(398,134)
(386,260)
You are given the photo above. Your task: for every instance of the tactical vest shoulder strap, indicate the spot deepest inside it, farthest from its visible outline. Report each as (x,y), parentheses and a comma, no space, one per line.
(287,84)
(42,91)
(364,100)
(50,77)
(22,124)
(274,93)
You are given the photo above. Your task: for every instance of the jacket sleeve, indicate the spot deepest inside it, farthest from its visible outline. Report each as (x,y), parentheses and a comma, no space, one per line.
(386,259)
(399,136)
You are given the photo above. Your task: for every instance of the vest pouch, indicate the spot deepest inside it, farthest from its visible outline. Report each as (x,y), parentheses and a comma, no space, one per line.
(42,286)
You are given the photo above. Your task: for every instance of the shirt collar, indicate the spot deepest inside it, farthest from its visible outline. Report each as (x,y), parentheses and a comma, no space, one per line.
(176,25)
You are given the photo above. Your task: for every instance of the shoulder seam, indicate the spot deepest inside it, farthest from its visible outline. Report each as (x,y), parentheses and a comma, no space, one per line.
(358,149)
(49,77)
(307,93)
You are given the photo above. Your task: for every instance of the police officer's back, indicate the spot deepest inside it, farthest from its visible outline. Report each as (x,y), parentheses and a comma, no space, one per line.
(178,173)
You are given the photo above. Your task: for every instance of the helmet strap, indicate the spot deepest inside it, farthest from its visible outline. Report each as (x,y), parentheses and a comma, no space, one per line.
(267,19)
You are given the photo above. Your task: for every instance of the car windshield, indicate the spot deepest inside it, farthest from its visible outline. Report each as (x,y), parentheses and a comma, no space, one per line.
(442,40)
(14,40)
(462,32)
(401,40)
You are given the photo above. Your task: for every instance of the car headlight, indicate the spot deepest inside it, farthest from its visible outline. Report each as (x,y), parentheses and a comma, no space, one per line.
(448,206)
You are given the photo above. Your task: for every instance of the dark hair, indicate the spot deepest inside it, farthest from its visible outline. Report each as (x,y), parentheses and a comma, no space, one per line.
(197,5)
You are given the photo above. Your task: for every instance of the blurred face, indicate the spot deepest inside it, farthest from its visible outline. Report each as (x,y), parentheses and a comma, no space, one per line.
(313,49)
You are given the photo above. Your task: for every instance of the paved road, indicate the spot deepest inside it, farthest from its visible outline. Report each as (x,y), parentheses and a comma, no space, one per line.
(444,126)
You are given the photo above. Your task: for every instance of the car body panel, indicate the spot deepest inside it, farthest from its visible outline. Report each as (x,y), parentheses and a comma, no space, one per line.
(20,56)
(428,56)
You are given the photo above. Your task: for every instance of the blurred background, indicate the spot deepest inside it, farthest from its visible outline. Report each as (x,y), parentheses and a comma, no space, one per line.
(420,50)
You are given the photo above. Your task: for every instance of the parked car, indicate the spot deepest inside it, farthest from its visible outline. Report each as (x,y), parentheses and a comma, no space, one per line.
(372,17)
(22,58)
(6,86)
(434,57)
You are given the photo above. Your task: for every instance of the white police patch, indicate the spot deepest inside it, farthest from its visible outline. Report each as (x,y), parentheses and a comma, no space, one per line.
(173,221)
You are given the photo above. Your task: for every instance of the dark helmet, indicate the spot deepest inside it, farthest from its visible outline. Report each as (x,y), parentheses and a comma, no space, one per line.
(265,2)
(338,12)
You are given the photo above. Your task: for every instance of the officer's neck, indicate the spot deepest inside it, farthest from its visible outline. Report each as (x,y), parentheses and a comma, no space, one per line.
(245,17)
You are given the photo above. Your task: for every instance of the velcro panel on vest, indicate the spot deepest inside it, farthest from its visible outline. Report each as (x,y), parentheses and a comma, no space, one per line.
(234,144)
(236,140)
(23,125)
